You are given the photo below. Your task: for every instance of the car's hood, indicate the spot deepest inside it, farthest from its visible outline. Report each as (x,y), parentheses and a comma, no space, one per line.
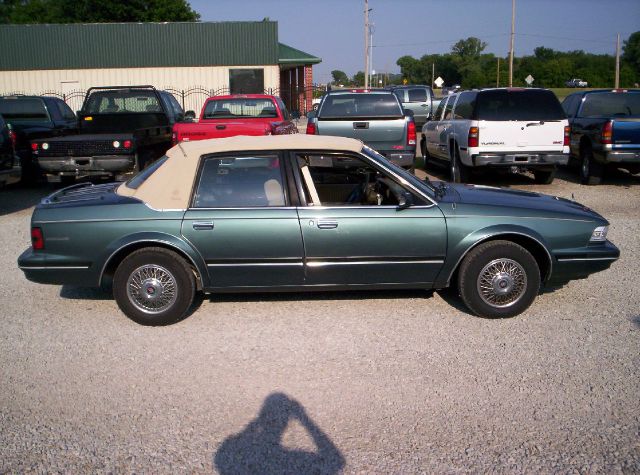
(520,202)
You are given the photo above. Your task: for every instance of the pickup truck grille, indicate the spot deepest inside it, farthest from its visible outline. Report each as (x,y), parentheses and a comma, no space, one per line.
(82,149)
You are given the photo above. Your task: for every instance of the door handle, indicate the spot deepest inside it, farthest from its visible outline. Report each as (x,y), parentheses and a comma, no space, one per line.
(327,223)
(221,127)
(202,225)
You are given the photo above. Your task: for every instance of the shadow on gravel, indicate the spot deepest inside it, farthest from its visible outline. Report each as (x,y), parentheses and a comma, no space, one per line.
(73,292)
(636,320)
(258,448)
(320,295)
(20,197)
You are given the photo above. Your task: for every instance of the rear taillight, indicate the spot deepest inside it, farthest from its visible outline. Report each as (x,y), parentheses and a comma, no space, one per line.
(474,137)
(311,128)
(567,131)
(34,147)
(411,133)
(174,138)
(607,133)
(37,239)
(13,138)
(126,144)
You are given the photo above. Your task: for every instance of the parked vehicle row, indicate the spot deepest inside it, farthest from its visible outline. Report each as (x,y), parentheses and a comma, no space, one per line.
(330,214)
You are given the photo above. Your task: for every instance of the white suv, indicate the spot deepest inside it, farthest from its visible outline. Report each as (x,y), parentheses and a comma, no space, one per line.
(512,128)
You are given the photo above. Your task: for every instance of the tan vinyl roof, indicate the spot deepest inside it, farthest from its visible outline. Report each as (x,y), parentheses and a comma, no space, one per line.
(169,187)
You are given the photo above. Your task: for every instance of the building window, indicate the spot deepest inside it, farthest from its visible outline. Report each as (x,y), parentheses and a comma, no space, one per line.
(246,81)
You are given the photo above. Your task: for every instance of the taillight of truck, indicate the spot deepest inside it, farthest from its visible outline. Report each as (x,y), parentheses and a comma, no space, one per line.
(311,128)
(411,133)
(37,239)
(607,133)
(474,137)
(567,132)
(174,138)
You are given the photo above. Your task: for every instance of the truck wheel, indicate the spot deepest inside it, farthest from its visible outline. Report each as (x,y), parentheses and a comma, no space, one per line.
(590,171)
(544,177)
(154,286)
(460,173)
(498,279)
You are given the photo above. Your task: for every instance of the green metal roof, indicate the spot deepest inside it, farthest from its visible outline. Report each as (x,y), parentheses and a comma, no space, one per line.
(289,55)
(139,45)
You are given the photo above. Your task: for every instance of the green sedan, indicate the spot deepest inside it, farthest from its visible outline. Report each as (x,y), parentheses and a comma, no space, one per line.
(300,213)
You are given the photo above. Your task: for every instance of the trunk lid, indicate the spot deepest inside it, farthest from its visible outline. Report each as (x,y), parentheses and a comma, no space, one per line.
(522,135)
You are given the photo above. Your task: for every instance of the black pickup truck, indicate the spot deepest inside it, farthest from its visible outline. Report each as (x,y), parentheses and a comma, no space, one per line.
(121,130)
(605,131)
(35,117)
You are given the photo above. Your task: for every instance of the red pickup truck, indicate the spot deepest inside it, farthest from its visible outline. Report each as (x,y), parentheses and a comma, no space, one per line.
(241,114)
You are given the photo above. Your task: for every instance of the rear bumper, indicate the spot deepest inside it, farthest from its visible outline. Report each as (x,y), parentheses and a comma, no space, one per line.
(519,159)
(10,176)
(37,268)
(88,165)
(401,158)
(615,156)
(570,266)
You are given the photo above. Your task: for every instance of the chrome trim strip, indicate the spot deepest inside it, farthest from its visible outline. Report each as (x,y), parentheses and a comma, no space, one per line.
(53,267)
(522,217)
(256,264)
(568,259)
(349,263)
(107,220)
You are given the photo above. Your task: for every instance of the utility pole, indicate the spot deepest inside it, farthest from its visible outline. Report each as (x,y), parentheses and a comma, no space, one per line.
(513,32)
(366,44)
(498,74)
(617,63)
(372,80)
(433,73)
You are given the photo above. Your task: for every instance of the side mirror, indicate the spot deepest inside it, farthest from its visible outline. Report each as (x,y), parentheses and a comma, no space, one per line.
(190,116)
(405,200)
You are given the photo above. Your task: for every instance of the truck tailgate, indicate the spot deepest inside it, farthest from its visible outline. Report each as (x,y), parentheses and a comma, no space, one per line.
(379,134)
(219,129)
(528,136)
(626,133)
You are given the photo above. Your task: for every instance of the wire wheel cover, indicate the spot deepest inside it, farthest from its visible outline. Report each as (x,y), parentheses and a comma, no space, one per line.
(152,288)
(502,282)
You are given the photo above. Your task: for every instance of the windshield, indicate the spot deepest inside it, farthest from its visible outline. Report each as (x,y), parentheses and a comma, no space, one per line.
(122,102)
(505,104)
(404,174)
(611,104)
(360,105)
(240,109)
(23,110)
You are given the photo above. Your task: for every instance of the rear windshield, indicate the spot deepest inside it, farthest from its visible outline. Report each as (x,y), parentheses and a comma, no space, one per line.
(23,110)
(135,182)
(240,109)
(122,102)
(360,105)
(533,104)
(611,104)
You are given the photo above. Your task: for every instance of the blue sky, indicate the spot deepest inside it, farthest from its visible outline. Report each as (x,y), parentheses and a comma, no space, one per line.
(333,29)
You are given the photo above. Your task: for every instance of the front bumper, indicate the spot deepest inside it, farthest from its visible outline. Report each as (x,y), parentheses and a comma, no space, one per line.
(583,262)
(88,165)
(520,159)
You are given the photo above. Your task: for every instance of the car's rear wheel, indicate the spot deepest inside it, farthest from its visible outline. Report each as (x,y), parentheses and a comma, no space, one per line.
(591,172)
(459,172)
(498,279)
(544,177)
(154,286)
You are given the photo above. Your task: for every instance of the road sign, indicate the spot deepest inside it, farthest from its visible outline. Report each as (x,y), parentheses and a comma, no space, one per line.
(439,81)
(529,79)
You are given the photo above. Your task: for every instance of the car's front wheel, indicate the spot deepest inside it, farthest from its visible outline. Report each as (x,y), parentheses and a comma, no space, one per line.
(498,279)
(154,286)
(591,171)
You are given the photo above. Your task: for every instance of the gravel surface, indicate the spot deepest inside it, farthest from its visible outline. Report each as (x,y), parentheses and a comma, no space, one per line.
(370,382)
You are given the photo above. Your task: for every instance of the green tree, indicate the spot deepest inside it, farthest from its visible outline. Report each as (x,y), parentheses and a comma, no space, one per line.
(339,77)
(95,11)
(358,79)
(631,53)
(472,47)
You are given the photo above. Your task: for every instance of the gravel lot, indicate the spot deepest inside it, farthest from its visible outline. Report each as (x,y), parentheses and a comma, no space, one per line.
(371,382)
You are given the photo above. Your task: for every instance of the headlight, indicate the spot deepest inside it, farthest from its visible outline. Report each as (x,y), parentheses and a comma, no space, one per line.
(599,234)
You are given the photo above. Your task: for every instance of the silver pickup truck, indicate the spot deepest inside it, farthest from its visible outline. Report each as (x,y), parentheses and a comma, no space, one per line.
(374,116)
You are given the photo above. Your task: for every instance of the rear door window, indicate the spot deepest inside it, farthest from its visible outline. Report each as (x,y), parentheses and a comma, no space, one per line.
(438,114)
(449,108)
(464,106)
(417,94)
(504,104)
